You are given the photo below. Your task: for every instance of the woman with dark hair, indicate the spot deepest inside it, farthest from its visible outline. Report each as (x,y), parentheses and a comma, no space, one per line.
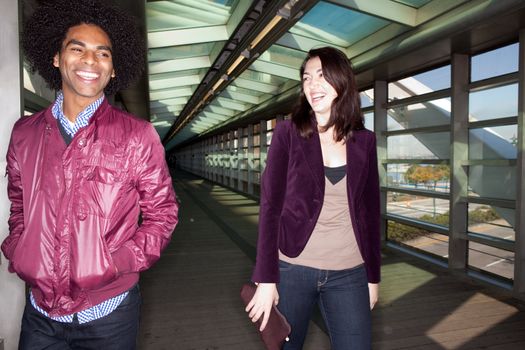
(319,236)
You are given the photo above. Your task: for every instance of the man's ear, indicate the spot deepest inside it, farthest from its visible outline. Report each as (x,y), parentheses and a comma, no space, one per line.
(56,60)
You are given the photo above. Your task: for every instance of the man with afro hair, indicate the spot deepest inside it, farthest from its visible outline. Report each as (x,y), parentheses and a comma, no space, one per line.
(79,175)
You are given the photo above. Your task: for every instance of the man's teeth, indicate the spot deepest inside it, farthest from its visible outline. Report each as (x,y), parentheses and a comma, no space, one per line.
(87,75)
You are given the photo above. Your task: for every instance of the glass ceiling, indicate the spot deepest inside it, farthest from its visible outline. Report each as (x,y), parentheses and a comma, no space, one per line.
(187,40)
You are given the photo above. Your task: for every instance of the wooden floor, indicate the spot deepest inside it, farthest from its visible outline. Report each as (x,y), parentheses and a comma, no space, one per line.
(191,296)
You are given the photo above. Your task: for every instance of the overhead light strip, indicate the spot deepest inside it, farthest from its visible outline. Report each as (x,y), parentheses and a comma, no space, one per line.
(242,56)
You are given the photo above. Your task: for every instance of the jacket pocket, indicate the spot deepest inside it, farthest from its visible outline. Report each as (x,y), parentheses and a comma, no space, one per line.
(91,266)
(31,261)
(102,176)
(100,190)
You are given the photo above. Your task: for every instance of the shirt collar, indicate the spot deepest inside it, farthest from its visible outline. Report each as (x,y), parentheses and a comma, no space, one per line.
(82,118)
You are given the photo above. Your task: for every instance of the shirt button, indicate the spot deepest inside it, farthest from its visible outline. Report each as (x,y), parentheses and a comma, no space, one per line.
(81,216)
(81,143)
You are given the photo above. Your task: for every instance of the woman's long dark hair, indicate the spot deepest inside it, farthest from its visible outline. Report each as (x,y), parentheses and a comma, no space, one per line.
(345,113)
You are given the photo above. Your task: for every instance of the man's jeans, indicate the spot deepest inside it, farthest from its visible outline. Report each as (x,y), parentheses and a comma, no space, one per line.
(343,300)
(116,331)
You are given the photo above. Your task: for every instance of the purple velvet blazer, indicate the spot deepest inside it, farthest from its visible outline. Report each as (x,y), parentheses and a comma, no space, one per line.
(292,193)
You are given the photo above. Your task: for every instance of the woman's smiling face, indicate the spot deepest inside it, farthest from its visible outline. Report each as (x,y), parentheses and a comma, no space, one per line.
(319,93)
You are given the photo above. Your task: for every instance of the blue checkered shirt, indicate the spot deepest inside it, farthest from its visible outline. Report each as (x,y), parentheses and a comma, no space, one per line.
(82,118)
(108,306)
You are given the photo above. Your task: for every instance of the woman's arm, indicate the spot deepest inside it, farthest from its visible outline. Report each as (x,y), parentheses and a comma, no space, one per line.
(371,206)
(273,191)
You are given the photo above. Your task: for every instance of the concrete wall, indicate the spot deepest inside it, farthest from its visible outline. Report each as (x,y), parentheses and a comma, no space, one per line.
(12,290)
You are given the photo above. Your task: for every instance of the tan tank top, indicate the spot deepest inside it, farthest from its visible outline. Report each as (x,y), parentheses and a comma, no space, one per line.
(332,245)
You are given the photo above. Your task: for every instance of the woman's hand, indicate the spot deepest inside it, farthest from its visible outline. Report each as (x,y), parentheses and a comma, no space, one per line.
(373,292)
(261,304)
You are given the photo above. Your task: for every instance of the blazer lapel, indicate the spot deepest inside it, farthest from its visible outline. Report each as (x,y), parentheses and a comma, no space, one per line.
(356,161)
(311,148)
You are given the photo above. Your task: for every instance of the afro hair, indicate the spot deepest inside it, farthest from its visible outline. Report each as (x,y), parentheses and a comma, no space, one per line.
(47,27)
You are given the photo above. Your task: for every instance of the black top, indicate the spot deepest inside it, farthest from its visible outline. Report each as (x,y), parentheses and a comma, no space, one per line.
(68,138)
(335,174)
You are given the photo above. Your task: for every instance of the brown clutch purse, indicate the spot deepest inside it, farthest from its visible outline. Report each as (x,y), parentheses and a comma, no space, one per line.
(277,329)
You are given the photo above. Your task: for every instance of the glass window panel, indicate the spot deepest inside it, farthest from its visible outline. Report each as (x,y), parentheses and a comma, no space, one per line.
(417,115)
(494,103)
(434,80)
(434,177)
(491,221)
(351,27)
(419,146)
(497,261)
(269,135)
(499,142)
(423,240)
(492,181)
(369,120)
(427,209)
(494,63)
(367,98)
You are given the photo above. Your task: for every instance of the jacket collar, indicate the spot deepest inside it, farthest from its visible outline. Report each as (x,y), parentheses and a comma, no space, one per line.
(50,119)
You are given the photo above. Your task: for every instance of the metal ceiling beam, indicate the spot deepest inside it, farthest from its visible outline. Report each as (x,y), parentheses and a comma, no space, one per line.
(276,69)
(179,64)
(163,83)
(263,23)
(239,96)
(169,102)
(457,20)
(166,109)
(187,36)
(256,85)
(170,93)
(230,104)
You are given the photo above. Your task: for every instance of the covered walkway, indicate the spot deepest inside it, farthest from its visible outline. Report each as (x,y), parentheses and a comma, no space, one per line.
(191,297)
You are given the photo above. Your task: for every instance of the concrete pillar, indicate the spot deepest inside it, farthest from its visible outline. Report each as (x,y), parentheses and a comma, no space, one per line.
(263,144)
(12,290)
(250,159)
(380,127)
(240,158)
(457,243)
(233,158)
(519,265)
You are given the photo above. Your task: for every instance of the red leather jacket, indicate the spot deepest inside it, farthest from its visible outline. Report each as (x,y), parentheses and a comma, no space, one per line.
(75,237)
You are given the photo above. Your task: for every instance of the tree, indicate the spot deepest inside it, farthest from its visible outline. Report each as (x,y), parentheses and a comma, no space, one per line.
(426,174)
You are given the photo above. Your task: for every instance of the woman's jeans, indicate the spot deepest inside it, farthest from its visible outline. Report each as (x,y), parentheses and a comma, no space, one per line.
(343,300)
